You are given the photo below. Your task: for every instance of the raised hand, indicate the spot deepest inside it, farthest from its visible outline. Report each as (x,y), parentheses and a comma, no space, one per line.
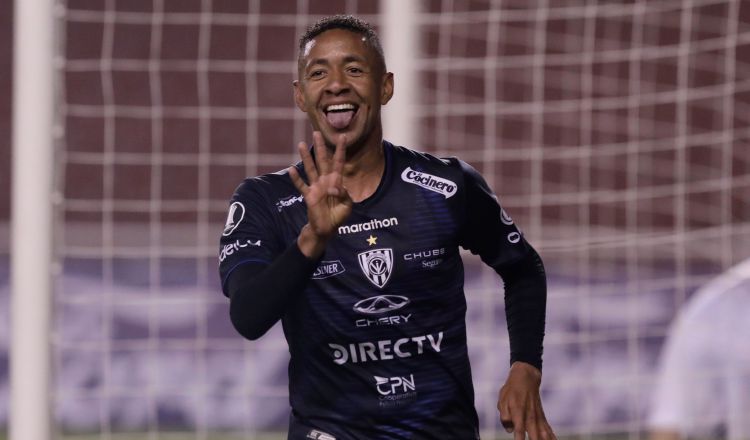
(520,405)
(328,202)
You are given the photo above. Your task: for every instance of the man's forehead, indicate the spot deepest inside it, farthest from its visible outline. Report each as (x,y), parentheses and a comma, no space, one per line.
(310,45)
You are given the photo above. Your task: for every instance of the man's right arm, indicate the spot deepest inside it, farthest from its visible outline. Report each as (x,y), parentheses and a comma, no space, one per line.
(259,294)
(259,291)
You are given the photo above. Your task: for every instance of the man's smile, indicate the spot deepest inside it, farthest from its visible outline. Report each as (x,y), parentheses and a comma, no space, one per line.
(339,116)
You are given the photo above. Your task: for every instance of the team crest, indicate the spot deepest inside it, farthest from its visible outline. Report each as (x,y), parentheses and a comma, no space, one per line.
(377,264)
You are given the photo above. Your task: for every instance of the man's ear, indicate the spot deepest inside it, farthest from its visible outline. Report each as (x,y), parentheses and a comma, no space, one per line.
(387,93)
(299,97)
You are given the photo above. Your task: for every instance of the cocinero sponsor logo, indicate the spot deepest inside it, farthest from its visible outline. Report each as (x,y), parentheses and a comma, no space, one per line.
(433,183)
(373,224)
(386,349)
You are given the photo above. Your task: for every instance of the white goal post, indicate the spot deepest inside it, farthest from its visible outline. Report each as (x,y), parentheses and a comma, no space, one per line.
(401,43)
(31,220)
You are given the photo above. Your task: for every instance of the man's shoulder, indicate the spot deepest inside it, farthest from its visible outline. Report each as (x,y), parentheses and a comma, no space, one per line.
(452,167)
(409,156)
(269,187)
(267,183)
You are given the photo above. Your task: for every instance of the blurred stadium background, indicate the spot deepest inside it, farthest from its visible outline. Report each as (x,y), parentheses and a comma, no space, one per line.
(615,132)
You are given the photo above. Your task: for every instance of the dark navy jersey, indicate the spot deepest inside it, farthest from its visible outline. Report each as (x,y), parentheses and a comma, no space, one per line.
(378,337)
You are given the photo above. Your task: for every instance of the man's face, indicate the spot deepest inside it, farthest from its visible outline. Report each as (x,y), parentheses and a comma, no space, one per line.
(342,86)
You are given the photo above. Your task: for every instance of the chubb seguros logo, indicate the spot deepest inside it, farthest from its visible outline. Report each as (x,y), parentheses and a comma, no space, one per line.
(427,181)
(380,304)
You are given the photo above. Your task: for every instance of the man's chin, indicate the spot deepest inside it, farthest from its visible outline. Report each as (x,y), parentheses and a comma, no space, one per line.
(331,135)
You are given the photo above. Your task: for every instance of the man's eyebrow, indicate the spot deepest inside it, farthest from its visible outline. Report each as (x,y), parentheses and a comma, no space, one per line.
(318,62)
(326,61)
(353,58)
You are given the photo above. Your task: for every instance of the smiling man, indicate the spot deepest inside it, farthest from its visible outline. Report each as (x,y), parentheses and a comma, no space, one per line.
(356,250)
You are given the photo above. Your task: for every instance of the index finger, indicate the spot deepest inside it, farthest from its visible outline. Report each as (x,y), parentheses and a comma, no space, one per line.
(297,180)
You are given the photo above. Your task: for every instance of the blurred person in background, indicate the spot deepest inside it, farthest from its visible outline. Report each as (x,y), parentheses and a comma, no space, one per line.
(703,384)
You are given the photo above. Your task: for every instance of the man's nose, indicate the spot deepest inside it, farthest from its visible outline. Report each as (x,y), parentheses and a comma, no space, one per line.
(337,82)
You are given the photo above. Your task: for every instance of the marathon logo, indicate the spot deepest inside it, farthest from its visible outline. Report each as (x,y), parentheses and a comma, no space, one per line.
(386,349)
(328,269)
(368,226)
(427,181)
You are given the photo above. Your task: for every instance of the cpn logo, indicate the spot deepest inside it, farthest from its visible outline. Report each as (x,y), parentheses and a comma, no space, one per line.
(394,385)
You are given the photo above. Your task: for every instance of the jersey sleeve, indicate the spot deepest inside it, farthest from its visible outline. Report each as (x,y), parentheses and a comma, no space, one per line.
(488,230)
(250,232)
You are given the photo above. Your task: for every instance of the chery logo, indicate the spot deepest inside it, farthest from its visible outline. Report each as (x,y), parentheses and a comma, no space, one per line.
(380,304)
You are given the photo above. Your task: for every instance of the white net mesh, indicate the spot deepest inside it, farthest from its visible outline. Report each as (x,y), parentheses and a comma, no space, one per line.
(615,134)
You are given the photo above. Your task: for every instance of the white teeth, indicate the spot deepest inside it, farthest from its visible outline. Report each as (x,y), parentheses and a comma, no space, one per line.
(339,107)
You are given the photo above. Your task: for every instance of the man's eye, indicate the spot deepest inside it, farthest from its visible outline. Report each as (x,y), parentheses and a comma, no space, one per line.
(316,73)
(355,70)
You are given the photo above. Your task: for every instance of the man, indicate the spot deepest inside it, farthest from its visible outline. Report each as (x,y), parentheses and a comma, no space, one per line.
(355,250)
(703,386)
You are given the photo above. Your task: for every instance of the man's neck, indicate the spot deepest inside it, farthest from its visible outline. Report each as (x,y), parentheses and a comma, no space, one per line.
(364,171)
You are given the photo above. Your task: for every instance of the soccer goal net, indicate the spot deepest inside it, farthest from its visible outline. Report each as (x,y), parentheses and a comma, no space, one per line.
(615,134)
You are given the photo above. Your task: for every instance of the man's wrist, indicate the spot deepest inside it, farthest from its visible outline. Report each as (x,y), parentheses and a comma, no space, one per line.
(311,244)
(527,368)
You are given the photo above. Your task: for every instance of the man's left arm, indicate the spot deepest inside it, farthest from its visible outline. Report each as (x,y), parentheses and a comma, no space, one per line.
(490,232)
(519,400)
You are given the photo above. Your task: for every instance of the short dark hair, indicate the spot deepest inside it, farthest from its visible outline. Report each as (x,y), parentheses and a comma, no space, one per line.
(345,22)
